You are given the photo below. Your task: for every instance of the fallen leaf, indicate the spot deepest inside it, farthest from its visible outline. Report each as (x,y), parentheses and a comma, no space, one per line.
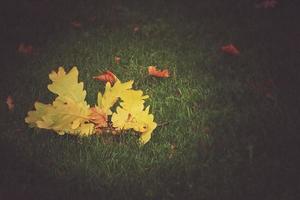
(136,29)
(269,94)
(230,49)
(108,76)
(76,24)
(98,117)
(69,112)
(10,103)
(92,18)
(25,49)
(158,73)
(269,83)
(40,8)
(267,4)
(117,60)
(264,88)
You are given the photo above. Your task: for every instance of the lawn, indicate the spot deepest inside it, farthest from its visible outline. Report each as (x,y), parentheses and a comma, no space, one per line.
(227,124)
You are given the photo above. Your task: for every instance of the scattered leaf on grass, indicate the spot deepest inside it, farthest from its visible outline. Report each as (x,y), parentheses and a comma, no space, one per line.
(158,73)
(98,117)
(92,18)
(117,60)
(136,29)
(10,103)
(264,88)
(76,24)
(108,76)
(26,49)
(69,112)
(230,49)
(267,4)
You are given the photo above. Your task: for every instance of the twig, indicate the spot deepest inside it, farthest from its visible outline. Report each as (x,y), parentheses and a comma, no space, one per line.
(162,124)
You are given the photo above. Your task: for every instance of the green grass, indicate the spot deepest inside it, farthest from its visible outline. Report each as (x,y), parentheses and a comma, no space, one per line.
(218,138)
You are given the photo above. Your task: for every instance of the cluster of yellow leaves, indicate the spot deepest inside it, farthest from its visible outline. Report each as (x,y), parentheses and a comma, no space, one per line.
(70,113)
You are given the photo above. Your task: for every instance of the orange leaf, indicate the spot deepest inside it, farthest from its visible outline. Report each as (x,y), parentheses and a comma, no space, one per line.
(98,117)
(10,103)
(117,60)
(76,24)
(108,76)
(25,49)
(158,73)
(230,49)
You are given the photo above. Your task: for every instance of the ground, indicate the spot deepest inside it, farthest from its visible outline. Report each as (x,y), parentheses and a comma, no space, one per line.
(227,123)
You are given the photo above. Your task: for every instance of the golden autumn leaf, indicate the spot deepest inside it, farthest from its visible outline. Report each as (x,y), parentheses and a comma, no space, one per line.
(112,94)
(131,114)
(69,112)
(158,73)
(140,121)
(62,117)
(66,84)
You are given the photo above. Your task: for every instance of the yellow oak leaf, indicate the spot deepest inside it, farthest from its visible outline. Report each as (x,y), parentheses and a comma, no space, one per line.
(67,84)
(69,113)
(133,100)
(140,121)
(112,94)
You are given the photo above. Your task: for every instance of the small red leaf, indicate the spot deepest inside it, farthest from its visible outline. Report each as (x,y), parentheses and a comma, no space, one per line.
(230,49)
(108,76)
(267,4)
(158,73)
(92,18)
(76,24)
(10,103)
(25,49)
